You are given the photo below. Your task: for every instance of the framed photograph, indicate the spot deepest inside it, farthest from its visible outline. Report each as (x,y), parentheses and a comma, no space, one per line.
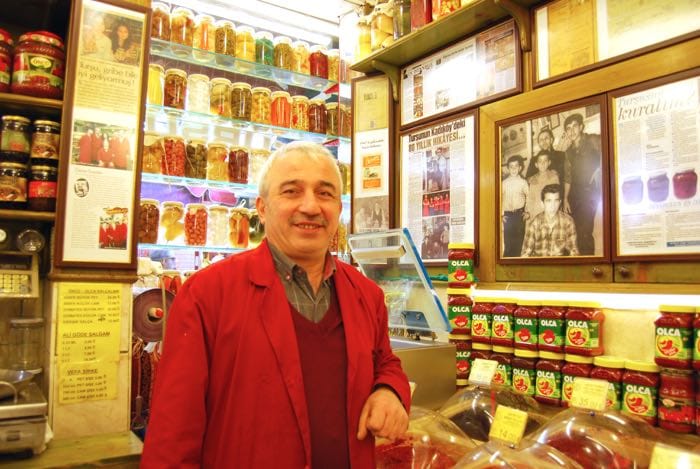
(553,181)
(371,150)
(478,69)
(95,226)
(439,189)
(572,35)
(656,161)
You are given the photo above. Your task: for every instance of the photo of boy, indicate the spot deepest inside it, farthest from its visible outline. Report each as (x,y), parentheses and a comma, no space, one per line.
(514,193)
(552,233)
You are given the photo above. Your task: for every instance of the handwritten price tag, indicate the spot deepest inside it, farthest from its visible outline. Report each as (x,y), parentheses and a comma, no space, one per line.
(508,425)
(482,371)
(589,393)
(665,457)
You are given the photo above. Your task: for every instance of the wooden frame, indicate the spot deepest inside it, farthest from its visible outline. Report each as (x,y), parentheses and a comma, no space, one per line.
(660,24)
(656,199)
(99,191)
(438,189)
(581,215)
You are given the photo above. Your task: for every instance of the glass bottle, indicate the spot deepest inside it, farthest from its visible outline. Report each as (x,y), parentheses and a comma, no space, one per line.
(217,226)
(264,48)
(225,42)
(317,116)
(318,62)
(175,89)
(160,24)
(239,226)
(300,57)
(181,30)
(238,165)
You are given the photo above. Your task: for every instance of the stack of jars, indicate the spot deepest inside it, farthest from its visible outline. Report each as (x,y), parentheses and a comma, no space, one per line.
(460,278)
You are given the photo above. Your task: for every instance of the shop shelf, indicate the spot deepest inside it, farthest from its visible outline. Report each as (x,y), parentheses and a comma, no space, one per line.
(226,63)
(26,215)
(29,106)
(160,247)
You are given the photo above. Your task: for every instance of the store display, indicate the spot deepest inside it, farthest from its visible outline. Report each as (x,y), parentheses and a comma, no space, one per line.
(175,88)
(13,185)
(39,64)
(548,379)
(502,322)
(584,328)
(245,43)
(318,61)
(525,331)
(264,48)
(611,370)
(640,387)
(42,188)
(46,140)
(204,38)
(524,371)
(260,105)
(6,46)
(198,93)
(148,221)
(196,217)
(677,401)
(674,335)
(225,42)
(241,101)
(459,310)
(160,21)
(575,366)
(220,99)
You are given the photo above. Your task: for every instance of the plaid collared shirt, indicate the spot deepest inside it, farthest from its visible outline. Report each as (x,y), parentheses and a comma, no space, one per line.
(298,289)
(545,240)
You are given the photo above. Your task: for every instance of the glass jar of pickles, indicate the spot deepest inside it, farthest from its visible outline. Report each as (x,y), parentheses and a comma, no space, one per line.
(149,216)
(300,113)
(364,41)
(160,23)
(173,162)
(283,53)
(181,30)
(171,229)
(196,159)
(153,153)
(264,48)
(217,226)
(260,108)
(175,89)
(15,135)
(45,140)
(256,231)
(444,7)
(156,78)
(204,38)
(198,93)
(225,42)
(333,64)
(239,226)
(344,120)
(281,108)
(220,100)
(257,159)
(245,43)
(317,116)
(300,57)
(332,119)
(238,165)
(241,101)
(318,61)
(381,26)
(216,162)
(196,218)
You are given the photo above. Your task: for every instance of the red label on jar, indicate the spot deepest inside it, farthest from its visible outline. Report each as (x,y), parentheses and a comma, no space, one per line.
(42,190)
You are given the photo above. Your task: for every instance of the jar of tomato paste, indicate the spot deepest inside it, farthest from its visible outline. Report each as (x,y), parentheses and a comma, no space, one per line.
(611,370)
(549,378)
(502,322)
(677,401)
(674,332)
(696,339)
(463,348)
(460,265)
(551,326)
(525,324)
(482,351)
(504,371)
(481,319)
(640,383)
(524,372)
(576,366)
(584,328)
(39,65)
(459,310)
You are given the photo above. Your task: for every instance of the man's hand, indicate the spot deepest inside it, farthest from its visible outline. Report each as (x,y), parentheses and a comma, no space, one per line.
(383,415)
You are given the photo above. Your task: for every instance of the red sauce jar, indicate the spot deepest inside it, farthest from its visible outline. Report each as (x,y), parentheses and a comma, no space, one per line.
(502,322)
(6,44)
(677,401)
(640,386)
(459,310)
(481,319)
(697,403)
(173,161)
(696,340)
(575,366)
(317,116)
(39,65)
(674,335)
(525,324)
(524,372)
(611,370)
(318,61)
(238,165)
(551,326)
(685,184)
(504,371)
(549,378)
(460,265)
(584,328)
(463,348)
(281,109)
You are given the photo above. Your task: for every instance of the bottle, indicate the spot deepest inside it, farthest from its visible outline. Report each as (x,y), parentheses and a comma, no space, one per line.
(549,378)
(584,328)
(481,319)
(674,334)
(502,322)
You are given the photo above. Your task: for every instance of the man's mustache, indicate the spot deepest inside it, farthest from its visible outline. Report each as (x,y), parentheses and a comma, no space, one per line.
(315,220)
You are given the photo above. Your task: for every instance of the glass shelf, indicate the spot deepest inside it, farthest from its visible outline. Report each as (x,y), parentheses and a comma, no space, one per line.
(162,247)
(226,63)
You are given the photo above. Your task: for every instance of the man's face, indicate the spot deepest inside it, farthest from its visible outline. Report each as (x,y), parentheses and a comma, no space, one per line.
(302,207)
(542,163)
(513,168)
(551,203)
(544,140)
(574,130)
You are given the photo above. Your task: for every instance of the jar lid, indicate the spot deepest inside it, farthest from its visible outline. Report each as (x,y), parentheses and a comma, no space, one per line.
(20,119)
(220,81)
(570,357)
(463,337)
(560,303)
(283,39)
(502,349)
(260,151)
(196,206)
(218,208)
(5,37)
(526,353)
(26,322)
(551,355)
(609,361)
(218,143)
(47,123)
(334,52)
(241,84)
(317,102)
(484,299)
(584,304)
(645,367)
(301,44)
(205,17)
(281,94)
(241,210)
(330,106)
(261,89)
(263,35)
(458,291)
(199,76)
(50,169)
(507,301)
(462,382)
(183,11)
(12,165)
(149,202)
(43,36)
(529,302)
(224,23)
(317,48)
(176,71)
(245,29)
(300,97)
(460,246)
(239,147)
(174,137)
(173,204)
(480,346)
(676,309)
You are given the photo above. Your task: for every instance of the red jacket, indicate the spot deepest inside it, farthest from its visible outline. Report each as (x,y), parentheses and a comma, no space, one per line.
(229,389)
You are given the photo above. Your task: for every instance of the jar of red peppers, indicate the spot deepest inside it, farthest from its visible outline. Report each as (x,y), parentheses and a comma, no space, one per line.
(640,383)
(42,188)
(239,227)
(549,378)
(611,370)
(551,326)
(584,328)
(39,63)
(696,340)
(677,401)
(160,23)
(173,161)
(504,371)
(525,324)
(175,88)
(317,116)
(481,319)
(674,335)
(460,265)
(524,372)
(318,61)
(576,366)
(463,347)
(238,165)
(196,224)
(6,45)
(502,322)
(281,109)
(459,310)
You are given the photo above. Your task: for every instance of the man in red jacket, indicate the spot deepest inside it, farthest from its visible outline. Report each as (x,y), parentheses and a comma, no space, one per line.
(279,356)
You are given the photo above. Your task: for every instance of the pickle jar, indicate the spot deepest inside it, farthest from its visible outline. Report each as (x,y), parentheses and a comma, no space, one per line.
(225,42)
(256,232)
(264,48)
(156,77)
(300,57)
(15,135)
(160,24)
(204,38)
(364,41)
(318,61)
(149,219)
(238,165)
(216,161)
(260,109)
(45,140)
(402,18)
(283,53)
(196,159)
(317,116)
(241,101)
(175,89)
(39,63)
(344,120)
(153,153)
(196,218)
(217,226)
(381,26)
(220,97)
(258,157)
(281,108)
(198,93)
(443,8)
(171,229)
(333,64)
(6,44)
(300,113)
(181,30)
(245,43)
(239,226)
(173,161)
(332,119)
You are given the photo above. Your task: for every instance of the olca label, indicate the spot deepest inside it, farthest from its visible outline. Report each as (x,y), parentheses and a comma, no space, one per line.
(522,381)
(673,342)
(639,400)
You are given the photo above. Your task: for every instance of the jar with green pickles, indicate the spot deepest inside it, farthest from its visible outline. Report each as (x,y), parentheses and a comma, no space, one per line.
(332,119)
(241,100)
(283,53)
(264,48)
